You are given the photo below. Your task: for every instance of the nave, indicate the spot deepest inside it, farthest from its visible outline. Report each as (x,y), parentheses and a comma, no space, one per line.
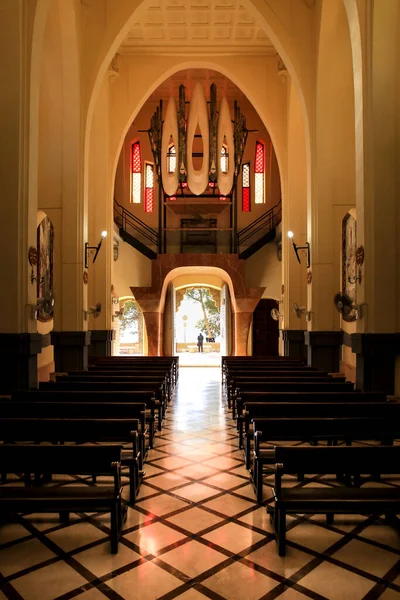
(196,530)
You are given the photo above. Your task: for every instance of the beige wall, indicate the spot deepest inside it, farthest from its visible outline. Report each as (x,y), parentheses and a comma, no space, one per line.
(264,269)
(131,269)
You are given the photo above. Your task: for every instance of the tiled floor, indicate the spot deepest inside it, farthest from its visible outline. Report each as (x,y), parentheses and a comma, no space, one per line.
(197,532)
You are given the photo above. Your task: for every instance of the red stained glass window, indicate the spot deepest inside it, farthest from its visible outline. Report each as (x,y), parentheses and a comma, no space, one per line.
(259,158)
(136,168)
(259,170)
(246,187)
(149,188)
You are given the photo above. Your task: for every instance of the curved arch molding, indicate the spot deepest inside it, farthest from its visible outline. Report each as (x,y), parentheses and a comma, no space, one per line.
(198,115)
(170,131)
(225,132)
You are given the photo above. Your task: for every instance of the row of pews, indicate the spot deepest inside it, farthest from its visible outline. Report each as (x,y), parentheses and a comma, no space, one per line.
(83,425)
(296,420)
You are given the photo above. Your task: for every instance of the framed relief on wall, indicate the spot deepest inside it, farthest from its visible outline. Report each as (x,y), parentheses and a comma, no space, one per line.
(45,246)
(349,263)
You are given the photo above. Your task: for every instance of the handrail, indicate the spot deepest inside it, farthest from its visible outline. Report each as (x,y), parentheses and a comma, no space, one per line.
(268,221)
(128,219)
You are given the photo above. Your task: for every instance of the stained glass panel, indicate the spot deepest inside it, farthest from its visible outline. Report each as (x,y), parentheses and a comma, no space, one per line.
(259,170)
(136,173)
(224,159)
(149,188)
(246,187)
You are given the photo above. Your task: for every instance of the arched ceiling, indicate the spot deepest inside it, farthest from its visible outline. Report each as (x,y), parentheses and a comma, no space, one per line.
(208,26)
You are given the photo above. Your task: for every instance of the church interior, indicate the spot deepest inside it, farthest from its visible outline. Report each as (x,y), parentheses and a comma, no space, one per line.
(244,155)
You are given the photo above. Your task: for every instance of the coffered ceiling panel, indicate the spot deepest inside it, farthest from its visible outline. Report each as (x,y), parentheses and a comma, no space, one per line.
(218,26)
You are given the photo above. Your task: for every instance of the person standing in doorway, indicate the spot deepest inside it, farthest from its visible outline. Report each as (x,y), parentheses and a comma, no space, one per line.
(200,339)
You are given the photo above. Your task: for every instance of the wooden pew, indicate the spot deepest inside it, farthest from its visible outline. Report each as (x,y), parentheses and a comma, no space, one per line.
(258,404)
(78,460)
(313,430)
(260,382)
(109,384)
(297,387)
(58,431)
(136,399)
(255,374)
(264,368)
(79,410)
(241,362)
(169,362)
(128,371)
(331,500)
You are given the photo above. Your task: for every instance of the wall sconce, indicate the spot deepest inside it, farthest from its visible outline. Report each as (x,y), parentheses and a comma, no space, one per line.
(296,248)
(90,249)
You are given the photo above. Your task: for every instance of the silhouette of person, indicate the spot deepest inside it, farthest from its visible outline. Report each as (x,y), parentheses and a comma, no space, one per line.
(200,339)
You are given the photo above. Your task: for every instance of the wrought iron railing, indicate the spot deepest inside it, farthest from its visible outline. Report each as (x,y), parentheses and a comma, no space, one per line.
(260,226)
(134,226)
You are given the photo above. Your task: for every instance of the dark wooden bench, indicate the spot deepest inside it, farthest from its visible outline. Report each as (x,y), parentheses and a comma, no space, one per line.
(168,362)
(259,382)
(79,410)
(79,431)
(314,430)
(244,362)
(331,500)
(136,399)
(262,372)
(296,386)
(256,405)
(133,372)
(77,460)
(108,384)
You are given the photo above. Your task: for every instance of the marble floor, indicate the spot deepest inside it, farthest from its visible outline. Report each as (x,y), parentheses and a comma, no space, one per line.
(197,532)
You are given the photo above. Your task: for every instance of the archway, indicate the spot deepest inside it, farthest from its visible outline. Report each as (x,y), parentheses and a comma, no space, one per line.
(198,317)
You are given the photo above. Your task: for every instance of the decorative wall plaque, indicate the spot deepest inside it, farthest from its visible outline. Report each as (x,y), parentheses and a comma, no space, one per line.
(32,256)
(85,277)
(45,260)
(309,277)
(349,265)
(360,256)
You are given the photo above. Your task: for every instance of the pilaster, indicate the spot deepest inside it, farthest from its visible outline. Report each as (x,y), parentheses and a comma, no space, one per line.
(293,342)
(70,350)
(376,357)
(18,356)
(323,349)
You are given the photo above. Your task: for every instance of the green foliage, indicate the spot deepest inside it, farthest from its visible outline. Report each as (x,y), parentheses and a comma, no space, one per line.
(210,324)
(129,317)
(214,322)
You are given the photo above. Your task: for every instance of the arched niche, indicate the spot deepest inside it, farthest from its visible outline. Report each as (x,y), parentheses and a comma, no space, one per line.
(334,173)
(55,116)
(44,273)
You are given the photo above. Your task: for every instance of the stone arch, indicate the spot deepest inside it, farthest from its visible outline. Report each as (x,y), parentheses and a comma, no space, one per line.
(167,267)
(288,35)
(271,113)
(287,26)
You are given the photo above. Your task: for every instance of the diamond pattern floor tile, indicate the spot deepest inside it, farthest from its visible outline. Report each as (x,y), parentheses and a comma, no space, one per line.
(196,530)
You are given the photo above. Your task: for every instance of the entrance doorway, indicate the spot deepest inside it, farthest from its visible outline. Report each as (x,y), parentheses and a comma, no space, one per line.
(265,329)
(198,313)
